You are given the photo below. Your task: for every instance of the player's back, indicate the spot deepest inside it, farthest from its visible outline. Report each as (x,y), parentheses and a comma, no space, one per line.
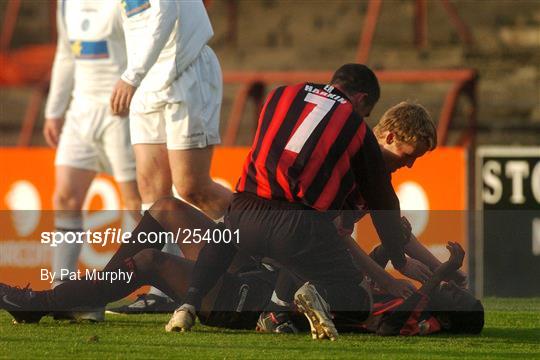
(307,136)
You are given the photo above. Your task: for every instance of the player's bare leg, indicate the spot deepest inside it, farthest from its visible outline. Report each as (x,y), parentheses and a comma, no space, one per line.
(130,195)
(154,183)
(71,186)
(132,204)
(153,172)
(191,177)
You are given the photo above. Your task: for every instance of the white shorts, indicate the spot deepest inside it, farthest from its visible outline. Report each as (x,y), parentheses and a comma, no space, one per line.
(94,139)
(186,114)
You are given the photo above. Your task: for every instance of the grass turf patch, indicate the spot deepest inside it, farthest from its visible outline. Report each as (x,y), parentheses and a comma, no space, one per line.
(512,330)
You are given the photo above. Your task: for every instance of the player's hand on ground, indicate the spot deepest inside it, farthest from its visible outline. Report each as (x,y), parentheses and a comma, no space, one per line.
(415,270)
(51,131)
(400,288)
(121,97)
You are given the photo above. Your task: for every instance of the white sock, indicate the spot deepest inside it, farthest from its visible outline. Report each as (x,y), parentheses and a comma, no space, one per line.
(145,206)
(66,256)
(278,301)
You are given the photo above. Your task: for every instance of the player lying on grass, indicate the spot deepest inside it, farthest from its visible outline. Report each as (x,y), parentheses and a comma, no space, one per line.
(433,308)
(239,297)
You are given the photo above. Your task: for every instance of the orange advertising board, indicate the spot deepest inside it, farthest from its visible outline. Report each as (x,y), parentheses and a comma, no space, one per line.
(432,194)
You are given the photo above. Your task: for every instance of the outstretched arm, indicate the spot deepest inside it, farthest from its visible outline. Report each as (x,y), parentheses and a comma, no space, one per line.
(446,269)
(399,288)
(415,249)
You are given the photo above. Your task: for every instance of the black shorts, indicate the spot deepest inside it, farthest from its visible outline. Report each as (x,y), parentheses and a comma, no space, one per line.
(302,240)
(240,300)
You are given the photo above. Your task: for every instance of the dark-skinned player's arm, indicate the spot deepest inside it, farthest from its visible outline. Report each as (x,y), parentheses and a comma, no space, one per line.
(395,287)
(374,184)
(415,249)
(446,269)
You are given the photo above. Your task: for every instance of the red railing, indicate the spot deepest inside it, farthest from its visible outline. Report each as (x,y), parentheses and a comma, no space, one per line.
(420,26)
(27,67)
(253,84)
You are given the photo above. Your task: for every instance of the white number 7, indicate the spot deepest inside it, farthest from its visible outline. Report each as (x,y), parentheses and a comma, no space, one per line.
(302,133)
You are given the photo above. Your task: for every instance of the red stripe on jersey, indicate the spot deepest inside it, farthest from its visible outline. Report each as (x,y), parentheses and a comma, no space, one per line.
(381,308)
(336,123)
(288,157)
(333,184)
(242,183)
(285,162)
(411,326)
(263,185)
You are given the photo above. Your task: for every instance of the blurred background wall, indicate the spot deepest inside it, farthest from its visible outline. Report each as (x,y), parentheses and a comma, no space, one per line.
(321,35)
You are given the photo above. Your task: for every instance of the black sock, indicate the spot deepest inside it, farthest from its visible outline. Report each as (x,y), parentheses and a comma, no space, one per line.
(213,261)
(147,225)
(286,286)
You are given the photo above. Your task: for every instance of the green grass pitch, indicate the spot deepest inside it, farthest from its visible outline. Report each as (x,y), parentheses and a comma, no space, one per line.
(512,330)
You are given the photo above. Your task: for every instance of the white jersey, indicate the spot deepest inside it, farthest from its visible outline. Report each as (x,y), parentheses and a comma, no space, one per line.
(163,38)
(90,54)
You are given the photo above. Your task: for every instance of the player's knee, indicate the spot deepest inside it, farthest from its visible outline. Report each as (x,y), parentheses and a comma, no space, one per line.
(146,260)
(193,192)
(66,200)
(168,203)
(164,208)
(152,187)
(132,203)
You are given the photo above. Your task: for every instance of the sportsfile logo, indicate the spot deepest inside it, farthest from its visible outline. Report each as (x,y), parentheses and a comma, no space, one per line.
(109,236)
(118,236)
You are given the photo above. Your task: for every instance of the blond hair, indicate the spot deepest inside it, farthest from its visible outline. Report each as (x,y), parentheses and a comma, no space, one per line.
(410,122)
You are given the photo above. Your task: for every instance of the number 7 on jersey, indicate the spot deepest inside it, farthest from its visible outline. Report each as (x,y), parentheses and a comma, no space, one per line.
(302,133)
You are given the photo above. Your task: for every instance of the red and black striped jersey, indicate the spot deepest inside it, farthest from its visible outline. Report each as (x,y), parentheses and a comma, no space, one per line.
(310,147)
(305,141)
(303,147)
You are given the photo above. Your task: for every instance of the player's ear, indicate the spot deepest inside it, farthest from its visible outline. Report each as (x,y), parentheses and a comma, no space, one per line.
(390,138)
(359,97)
